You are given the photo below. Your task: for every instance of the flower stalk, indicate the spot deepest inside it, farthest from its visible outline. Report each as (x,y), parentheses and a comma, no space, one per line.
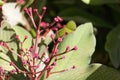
(30,58)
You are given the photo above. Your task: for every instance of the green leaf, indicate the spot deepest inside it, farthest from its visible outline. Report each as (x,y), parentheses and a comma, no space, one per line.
(5,60)
(70,27)
(99,2)
(112,46)
(22,33)
(90,72)
(7,35)
(1,2)
(6,32)
(82,16)
(84,39)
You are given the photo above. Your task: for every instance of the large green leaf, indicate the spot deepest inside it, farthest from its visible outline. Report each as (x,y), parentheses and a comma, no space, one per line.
(6,34)
(22,33)
(84,39)
(90,72)
(5,60)
(112,46)
(99,2)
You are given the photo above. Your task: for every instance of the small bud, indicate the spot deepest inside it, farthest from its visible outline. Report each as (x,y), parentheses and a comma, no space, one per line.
(55,29)
(59,26)
(35,10)
(51,67)
(68,48)
(52,36)
(59,18)
(24,62)
(13,71)
(54,64)
(73,67)
(66,33)
(30,11)
(12,64)
(1,43)
(44,8)
(35,55)
(21,1)
(26,10)
(31,48)
(43,24)
(47,60)
(2,70)
(21,49)
(17,37)
(59,39)
(40,16)
(75,48)
(26,36)
(37,66)
(56,50)
(56,19)
(5,44)
(63,57)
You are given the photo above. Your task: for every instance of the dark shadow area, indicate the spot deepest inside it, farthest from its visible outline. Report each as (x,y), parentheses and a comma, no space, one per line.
(104,73)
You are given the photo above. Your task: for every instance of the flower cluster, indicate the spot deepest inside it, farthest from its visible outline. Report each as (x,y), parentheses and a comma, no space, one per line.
(34,63)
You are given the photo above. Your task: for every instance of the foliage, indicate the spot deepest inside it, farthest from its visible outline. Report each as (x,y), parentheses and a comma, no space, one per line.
(38,47)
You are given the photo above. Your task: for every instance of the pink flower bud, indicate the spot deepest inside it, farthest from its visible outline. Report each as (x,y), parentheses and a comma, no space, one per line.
(13,71)
(5,44)
(55,29)
(2,70)
(73,67)
(52,36)
(66,33)
(30,11)
(43,24)
(54,64)
(24,62)
(59,18)
(26,10)
(63,57)
(21,49)
(12,64)
(1,43)
(21,1)
(44,8)
(75,48)
(26,36)
(56,50)
(17,37)
(56,19)
(68,48)
(59,39)
(31,48)
(47,60)
(35,10)
(51,67)
(35,55)
(37,66)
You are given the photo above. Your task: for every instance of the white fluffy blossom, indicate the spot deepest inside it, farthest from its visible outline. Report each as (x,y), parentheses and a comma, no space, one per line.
(11,14)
